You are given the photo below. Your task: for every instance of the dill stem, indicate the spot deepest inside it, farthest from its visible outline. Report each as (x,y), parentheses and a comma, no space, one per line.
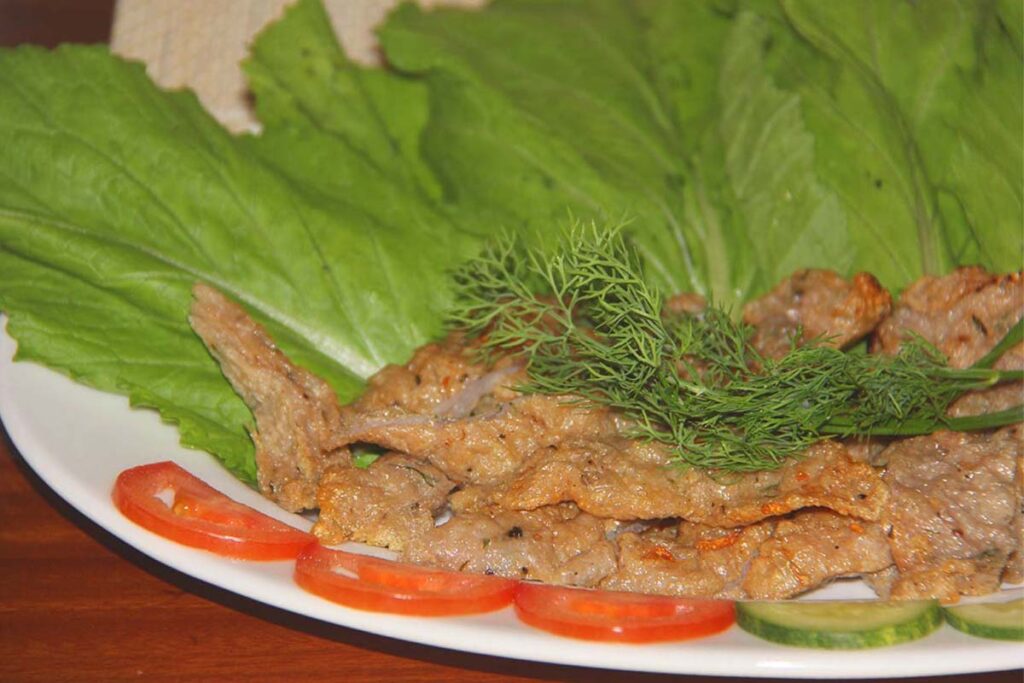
(979,376)
(1010,339)
(918,426)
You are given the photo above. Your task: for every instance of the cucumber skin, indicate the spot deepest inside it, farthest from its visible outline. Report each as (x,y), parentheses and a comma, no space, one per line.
(973,628)
(930,621)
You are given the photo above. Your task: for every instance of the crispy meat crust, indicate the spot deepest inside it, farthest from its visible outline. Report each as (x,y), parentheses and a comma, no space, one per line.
(385,505)
(557,544)
(771,559)
(955,511)
(963,314)
(297,414)
(817,304)
(625,479)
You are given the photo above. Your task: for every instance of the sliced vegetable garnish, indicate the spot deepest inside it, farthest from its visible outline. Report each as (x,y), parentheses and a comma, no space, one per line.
(998,620)
(839,625)
(171,502)
(621,617)
(377,585)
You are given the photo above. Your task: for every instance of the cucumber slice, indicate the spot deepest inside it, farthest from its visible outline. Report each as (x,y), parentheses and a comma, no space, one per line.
(999,620)
(839,625)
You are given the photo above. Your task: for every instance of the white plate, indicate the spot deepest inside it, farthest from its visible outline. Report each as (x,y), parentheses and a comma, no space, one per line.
(78,439)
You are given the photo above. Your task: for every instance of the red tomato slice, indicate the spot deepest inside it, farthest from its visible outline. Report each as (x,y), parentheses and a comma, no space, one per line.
(202,517)
(369,583)
(621,617)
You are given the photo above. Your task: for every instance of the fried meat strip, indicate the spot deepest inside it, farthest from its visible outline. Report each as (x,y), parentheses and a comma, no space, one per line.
(811,548)
(954,512)
(386,504)
(463,417)
(816,303)
(523,452)
(772,559)
(627,479)
(692,560)
(297,414)
(557,544)
(441,380)
(686,303)
(1014,571)
(486,448)
(963,314)
(539,480)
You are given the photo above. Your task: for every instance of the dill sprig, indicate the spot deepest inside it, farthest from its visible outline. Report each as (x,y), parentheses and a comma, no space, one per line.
(589,326)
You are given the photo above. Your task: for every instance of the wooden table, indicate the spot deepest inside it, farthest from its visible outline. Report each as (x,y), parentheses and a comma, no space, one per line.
(76,604)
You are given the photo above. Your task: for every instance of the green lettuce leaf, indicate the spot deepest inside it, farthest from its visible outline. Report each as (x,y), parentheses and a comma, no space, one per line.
(980,177)
(658,111)
(115,197)
(562,118)
(891,129)
(787,213)
(348,132)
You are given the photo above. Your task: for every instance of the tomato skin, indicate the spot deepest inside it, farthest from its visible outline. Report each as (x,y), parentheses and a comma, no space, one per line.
(375,585)
(201,516)
(620,617)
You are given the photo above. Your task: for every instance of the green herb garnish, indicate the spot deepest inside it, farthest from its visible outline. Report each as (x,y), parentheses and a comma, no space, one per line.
(590,326)
(364,455)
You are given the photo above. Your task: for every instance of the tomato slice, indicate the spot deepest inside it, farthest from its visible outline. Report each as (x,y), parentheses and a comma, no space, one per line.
(376,585)
(202,517)
(620,617)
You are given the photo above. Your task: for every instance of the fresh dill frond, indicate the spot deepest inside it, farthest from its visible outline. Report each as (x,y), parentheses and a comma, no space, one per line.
(590,326)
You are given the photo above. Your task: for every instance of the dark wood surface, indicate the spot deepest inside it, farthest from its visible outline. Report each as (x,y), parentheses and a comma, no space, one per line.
(49,22)
(76,604)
